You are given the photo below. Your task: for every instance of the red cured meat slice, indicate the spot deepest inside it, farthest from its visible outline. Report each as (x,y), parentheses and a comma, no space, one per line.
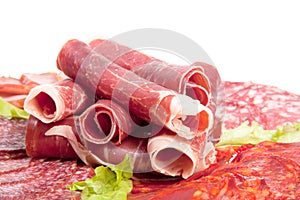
(268,105)
(39,79)
(12,134)
(40,145)
(145,99)
(50,183)
(186,79)
(12,85)
(257,175)
(16,100)
(61,140)
(53,102)
(109,153)
(105,121)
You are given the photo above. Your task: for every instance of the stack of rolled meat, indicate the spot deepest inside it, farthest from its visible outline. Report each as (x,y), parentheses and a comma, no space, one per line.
(117,101)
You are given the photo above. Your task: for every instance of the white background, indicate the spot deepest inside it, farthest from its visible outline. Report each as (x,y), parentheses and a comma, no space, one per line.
(256,40)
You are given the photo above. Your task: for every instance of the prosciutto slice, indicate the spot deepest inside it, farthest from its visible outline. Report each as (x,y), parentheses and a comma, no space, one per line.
(105,121)
(175,156)
(40,145)
(188,79)
(53,102)
(151,102)
(62,140)
(39,79)
(10,85)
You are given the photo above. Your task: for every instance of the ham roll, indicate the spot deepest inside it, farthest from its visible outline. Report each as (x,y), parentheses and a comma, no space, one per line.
(62,139)
(53,102)
(176,156)
(105,121)
(185,79)
(199,80)
(149,101)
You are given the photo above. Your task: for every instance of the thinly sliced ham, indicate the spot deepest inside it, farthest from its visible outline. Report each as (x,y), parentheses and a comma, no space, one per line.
(217,103)
(175,156)
(10,85)
(40,145)
(62,140)
(145,99)
(185,79)
(109,153)
(16,100)
(39,79)
(53,102)
(105,121)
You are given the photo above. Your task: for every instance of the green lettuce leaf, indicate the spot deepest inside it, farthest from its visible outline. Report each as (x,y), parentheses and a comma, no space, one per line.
(10,111)
(254,134)
(111,182)
(288,133)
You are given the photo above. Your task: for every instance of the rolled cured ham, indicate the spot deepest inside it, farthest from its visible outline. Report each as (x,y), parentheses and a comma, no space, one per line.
(105,121)
(62,140)
(185,79)
(176,156)
(151,102)
(53,102)
(199,80)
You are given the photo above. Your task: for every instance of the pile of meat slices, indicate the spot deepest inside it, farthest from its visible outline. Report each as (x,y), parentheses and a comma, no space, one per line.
(32,170)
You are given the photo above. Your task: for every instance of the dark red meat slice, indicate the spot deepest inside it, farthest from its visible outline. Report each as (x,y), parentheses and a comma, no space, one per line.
(22,176)
(40,145)
(261,175)
(47,180)
(14,86)
(12,134)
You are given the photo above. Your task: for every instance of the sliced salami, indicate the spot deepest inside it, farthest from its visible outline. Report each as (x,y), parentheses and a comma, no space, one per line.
(257,175)
(12,134)
(268,105)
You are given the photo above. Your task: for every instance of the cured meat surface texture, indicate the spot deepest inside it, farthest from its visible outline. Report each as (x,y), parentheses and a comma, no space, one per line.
(145,99)
(199,80)
(257,174)
(105,121)
(15,90)
(22,177)
(38,144)
(187,79)
(268,105)
(12,134)
(175,156)
(53,102)
(250,175)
